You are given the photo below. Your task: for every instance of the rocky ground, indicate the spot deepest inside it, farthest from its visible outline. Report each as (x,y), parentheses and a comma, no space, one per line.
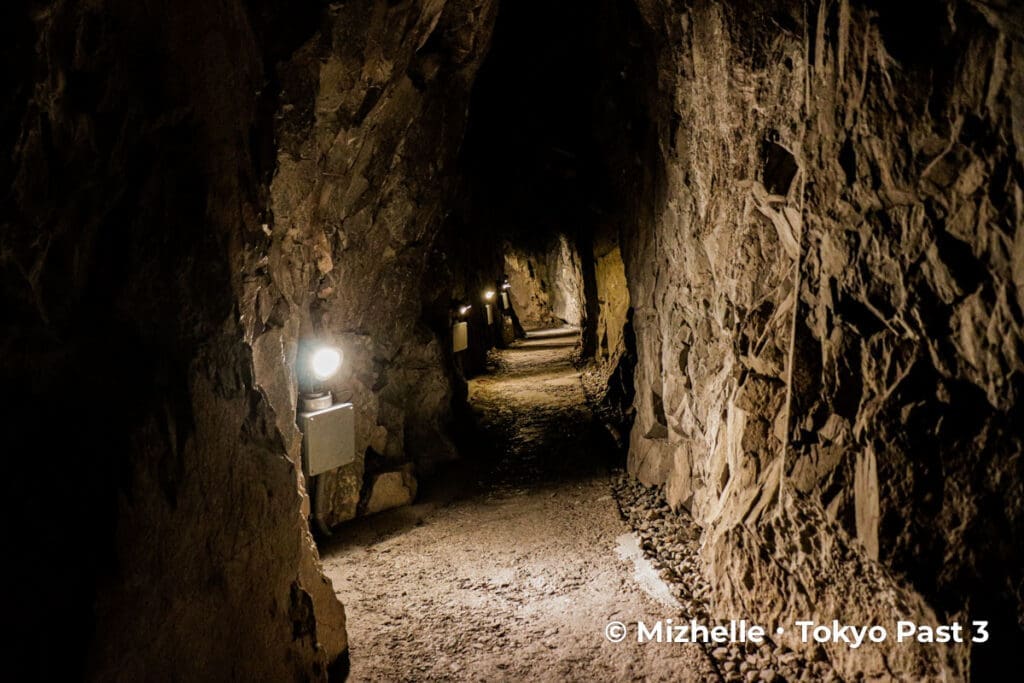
(671,541)
(511,568)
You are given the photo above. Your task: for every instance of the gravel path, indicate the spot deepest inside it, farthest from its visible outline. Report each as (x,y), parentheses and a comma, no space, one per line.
(510,567)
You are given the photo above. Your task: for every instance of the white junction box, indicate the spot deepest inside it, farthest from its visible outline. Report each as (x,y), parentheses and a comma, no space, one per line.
(328,438)
(504,301)
(490,314)
(460,337)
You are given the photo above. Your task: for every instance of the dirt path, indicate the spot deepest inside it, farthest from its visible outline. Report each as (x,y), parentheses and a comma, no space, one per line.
(512,569)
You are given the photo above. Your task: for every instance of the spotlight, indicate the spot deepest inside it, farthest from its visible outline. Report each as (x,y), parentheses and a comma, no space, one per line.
(317,365)
(505,287)
(325,362)
(328,428)
(460,328)
(488,308)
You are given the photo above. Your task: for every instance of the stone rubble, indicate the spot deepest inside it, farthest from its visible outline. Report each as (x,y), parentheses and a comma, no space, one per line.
(671,540)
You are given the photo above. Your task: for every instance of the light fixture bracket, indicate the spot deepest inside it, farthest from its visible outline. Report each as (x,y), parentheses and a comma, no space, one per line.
(309,402)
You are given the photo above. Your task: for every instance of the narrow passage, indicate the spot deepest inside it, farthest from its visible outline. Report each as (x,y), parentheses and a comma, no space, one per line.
(516,579)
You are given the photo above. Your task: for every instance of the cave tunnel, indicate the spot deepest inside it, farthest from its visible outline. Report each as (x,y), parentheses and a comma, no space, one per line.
(473,340)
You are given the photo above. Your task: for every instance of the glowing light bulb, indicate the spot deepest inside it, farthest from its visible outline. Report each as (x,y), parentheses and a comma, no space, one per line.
(463,310)
(489,295)
(325,362)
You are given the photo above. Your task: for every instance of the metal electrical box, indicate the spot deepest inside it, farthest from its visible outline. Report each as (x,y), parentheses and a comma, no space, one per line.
(328,438)
(490,314)
(504,301)
(460,337)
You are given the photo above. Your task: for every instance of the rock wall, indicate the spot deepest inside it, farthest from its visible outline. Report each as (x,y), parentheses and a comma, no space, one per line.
(530,290)
(372,114)
(611,294)
(158,527)
(564,269)
(827,311)
(547,283)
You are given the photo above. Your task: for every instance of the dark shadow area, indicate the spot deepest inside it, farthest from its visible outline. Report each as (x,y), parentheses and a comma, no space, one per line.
(542,452)
(559,140)
(530,150)
(447,484)
(533,159)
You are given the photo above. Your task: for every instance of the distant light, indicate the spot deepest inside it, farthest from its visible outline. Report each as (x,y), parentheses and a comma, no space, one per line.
(506,286)
(489,295)
(463,310)
(326,362)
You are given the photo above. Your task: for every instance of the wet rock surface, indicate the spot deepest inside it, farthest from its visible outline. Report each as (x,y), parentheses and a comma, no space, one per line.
(508,571)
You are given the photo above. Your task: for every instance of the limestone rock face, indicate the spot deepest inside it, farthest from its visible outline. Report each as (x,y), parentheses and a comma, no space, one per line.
(372,112)
(828,312)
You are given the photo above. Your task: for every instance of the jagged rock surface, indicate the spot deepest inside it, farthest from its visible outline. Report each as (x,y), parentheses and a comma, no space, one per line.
(373,109)
(153,486)
(547,283)
(827,301)
(672,540)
